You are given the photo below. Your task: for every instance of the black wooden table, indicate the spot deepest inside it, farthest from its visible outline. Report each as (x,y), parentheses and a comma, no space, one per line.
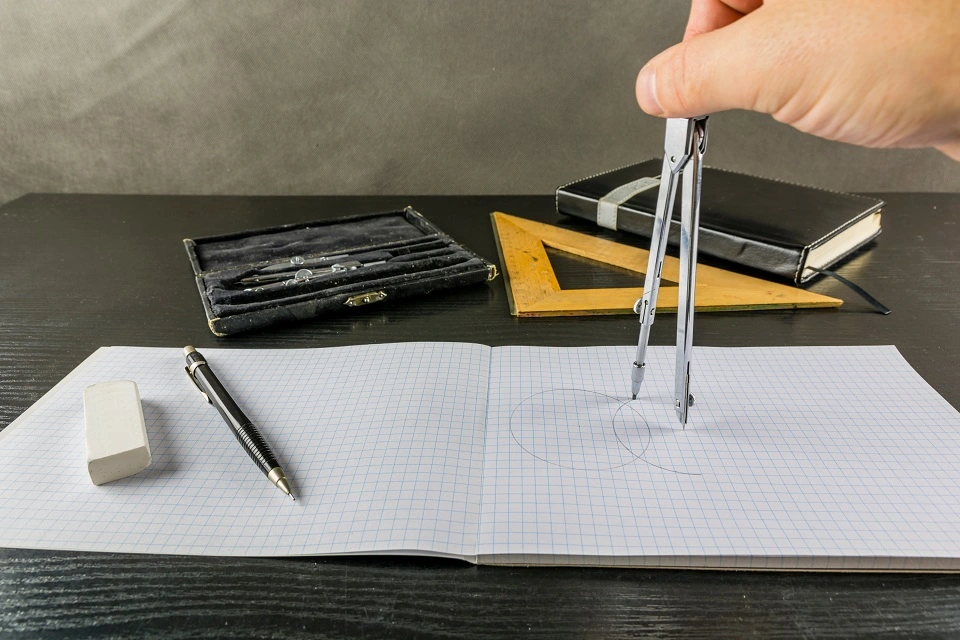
(82,271)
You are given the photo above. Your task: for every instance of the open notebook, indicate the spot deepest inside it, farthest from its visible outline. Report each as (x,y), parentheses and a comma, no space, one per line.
(794,458)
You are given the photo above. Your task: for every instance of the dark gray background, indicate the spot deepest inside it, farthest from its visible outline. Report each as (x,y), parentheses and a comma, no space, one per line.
(366,97)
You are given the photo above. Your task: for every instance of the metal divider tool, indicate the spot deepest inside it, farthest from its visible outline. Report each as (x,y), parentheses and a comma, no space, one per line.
(684,146)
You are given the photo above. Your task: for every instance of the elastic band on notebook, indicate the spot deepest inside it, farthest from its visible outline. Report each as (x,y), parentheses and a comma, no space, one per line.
(609,205)
(873,302)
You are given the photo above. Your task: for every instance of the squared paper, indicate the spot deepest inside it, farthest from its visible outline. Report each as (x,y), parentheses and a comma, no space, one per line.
(837,458)
(803,457)
(382,445)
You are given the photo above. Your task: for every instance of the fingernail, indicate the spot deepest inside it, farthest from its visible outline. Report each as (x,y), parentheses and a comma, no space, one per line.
(647,91)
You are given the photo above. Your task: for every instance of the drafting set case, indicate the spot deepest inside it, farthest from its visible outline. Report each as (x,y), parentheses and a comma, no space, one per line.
(785,229)
(255,279)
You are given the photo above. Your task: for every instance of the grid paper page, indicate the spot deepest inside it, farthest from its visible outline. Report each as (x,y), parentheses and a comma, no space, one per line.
(382,444)
(811,458)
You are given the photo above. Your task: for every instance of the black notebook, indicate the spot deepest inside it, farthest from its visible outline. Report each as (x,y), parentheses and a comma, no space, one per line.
(778,227)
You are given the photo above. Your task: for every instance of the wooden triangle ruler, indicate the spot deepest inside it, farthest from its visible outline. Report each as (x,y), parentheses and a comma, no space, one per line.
(533,289)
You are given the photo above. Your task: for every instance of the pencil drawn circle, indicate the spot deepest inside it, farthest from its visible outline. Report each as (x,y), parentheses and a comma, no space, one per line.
(578,429)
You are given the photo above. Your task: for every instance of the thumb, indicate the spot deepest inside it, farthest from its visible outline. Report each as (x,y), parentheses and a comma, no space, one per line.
(729,68)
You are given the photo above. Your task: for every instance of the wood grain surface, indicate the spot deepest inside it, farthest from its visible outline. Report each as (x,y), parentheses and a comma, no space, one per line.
(81,271)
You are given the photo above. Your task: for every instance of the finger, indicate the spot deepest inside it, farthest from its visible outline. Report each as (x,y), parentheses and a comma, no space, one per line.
(951,150)
(729,68)
(710,15)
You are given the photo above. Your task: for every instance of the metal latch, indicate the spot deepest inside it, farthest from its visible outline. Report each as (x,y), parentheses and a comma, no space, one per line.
(365,298)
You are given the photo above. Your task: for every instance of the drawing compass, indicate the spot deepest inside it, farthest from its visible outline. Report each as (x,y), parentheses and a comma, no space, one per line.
(683,148)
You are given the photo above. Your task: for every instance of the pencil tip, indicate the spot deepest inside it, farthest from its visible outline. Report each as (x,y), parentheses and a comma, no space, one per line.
(284,486)
(634,396)
(293,497)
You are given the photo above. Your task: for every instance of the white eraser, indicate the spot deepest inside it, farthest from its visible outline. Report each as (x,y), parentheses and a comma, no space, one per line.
(117,444)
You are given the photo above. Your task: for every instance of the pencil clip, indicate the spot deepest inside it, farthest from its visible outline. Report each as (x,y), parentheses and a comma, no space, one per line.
(194,381)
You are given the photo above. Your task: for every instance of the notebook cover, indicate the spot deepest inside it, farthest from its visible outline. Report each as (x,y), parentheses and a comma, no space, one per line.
(760,223)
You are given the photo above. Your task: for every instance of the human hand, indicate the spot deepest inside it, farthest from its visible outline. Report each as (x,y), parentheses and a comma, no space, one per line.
(877,73)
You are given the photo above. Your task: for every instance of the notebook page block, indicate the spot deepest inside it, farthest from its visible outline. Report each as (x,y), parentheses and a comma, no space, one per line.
(811,458)
(382,444)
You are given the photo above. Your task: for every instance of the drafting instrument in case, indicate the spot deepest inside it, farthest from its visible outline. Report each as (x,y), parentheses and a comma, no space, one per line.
(255,279)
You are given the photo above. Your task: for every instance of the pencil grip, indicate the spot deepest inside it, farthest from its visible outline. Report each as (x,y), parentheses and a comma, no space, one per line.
(256,447)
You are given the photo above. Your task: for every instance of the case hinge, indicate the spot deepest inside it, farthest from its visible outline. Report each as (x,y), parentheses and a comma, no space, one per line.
(365,298)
